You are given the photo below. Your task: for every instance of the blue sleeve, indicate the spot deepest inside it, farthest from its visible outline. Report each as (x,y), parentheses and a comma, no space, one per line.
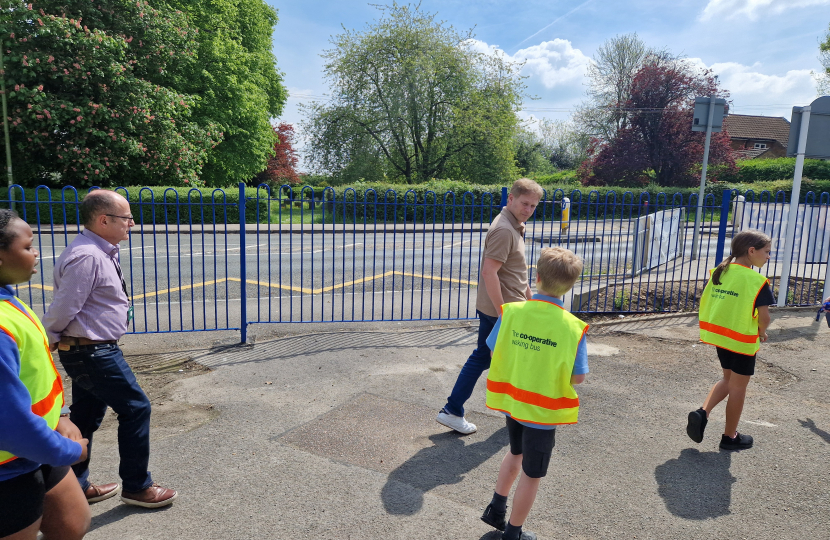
(581,364)
(22,432)
(494,334)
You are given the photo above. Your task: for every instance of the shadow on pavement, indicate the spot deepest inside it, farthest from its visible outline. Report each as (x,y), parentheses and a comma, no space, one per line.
(492,535)
(446,462)
(696,485)
(333,342)
(811,425)
(119,512)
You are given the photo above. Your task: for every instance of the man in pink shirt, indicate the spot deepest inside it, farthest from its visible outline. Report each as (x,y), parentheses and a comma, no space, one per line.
(89,313)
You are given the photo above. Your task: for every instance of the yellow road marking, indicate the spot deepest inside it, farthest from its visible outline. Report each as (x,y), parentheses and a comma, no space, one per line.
(182,288)
(292,288)
(35,286)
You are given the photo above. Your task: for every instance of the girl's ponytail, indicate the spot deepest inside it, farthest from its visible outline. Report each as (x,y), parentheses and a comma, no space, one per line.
(722,267)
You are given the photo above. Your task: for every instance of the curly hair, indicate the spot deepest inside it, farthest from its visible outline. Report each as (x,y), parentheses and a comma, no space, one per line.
(6,234)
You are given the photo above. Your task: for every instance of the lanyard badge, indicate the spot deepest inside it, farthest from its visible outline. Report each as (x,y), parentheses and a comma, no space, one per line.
(124,288)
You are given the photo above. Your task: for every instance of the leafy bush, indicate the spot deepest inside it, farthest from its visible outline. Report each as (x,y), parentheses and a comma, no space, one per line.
(765,170)
(148,205)
(438,201)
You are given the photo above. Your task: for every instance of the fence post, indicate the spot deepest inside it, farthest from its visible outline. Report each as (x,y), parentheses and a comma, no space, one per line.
(724,221)
(503,198)
(243,273)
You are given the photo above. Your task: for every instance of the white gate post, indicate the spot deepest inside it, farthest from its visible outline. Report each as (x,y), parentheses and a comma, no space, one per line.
(789,241)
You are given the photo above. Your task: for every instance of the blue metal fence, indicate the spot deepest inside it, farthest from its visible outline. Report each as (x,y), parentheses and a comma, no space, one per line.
(222,260)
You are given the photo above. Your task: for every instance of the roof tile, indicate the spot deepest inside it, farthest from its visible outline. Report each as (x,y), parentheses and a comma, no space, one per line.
(742,126)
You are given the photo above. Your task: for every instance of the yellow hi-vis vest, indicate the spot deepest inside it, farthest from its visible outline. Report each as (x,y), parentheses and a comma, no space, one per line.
(728,318)
(530,372)
(37,370)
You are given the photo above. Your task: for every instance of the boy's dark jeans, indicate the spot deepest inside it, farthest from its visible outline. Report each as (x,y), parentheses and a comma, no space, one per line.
(472,370)
(101,378)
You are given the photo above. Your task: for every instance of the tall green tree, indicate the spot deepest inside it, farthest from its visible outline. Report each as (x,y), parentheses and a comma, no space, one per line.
(236,82)
(91,93)
(412,95)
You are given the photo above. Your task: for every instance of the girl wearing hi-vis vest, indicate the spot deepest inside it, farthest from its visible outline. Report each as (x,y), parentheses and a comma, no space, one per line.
(734,316)
(37,444)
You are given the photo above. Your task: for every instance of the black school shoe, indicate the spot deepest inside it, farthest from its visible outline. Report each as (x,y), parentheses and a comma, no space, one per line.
(740,442)
(493,518)
(696,425)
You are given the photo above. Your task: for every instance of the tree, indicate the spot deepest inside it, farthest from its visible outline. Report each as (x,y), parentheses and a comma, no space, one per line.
(564,143)
(236,82)
(414,92)
(90,106)
(281,168)
(659,136)
(530,153)
(610,76)
(547,146)
(823,79)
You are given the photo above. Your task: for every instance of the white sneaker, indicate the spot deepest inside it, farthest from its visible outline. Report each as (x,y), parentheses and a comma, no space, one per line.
(458,423)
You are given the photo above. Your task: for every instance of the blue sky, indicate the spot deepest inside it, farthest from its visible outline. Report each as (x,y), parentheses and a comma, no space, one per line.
(763,50)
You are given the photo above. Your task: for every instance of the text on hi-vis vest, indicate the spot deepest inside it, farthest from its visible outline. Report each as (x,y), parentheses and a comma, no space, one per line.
(531,343)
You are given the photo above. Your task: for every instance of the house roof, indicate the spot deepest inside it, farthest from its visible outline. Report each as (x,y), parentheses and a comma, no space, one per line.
(743,126)
(749,153)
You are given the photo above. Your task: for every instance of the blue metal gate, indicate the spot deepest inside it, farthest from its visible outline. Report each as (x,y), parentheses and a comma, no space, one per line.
(201,260)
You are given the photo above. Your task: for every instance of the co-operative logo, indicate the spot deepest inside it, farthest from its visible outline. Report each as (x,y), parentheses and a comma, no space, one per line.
(522,339)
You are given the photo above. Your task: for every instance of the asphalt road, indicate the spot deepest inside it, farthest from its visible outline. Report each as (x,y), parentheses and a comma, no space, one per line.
(181,281)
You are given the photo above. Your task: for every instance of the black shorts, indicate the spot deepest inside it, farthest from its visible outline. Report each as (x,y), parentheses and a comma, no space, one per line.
(21,497)
(736,362)
(534,445)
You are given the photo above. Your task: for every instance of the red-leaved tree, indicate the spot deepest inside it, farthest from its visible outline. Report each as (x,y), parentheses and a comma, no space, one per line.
(281,167)
(659,137)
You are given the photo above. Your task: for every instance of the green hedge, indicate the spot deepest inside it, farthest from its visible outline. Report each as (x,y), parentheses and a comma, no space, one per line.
(148,205)
(751,171)
(399,203)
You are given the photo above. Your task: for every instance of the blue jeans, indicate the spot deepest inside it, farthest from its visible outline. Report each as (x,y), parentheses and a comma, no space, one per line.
(101,378)
(472,370)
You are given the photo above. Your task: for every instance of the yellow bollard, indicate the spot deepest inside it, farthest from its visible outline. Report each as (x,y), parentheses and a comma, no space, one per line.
(566,214)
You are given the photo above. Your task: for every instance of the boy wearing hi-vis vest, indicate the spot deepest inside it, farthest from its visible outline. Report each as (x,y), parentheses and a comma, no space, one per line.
(539,353)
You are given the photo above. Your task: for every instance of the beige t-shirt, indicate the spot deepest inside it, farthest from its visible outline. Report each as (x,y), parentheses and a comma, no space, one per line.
(504,243)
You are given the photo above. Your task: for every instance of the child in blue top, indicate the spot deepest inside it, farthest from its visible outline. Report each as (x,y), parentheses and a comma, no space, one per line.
(36,491)
(531,443)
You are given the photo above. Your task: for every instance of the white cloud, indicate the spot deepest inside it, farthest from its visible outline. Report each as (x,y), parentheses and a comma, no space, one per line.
(553,63)
(752,9)
(755,92)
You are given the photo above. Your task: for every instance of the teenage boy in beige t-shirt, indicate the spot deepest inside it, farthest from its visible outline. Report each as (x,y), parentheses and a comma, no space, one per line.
(503,279)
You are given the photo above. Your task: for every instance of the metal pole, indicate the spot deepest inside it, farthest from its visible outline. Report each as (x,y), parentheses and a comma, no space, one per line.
(700,195)
(783,285)
(724,212)
(243,271)
(5,119)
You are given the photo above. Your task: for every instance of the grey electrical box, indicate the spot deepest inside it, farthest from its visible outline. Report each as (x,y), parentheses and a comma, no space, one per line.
(701,116)
(818,132)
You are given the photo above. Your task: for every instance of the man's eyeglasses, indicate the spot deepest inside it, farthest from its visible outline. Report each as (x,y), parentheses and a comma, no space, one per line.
(125,218)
